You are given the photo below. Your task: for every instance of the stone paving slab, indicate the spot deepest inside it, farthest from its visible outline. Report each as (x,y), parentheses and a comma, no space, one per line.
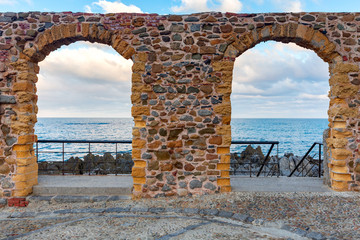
(83,185)
(278,184)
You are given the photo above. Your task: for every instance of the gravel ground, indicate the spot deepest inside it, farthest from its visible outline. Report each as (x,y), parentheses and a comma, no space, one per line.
(241,215)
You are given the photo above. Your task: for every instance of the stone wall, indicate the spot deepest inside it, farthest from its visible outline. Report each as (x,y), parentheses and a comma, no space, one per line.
(181,86)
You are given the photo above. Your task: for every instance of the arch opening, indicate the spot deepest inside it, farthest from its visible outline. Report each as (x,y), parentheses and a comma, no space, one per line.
(279,94)
(28,68)
(84,94)
(312,39)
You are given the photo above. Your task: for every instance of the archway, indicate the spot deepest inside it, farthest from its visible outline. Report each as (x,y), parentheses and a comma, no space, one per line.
(279,95)
(25,89)
(84,100)
(340,91)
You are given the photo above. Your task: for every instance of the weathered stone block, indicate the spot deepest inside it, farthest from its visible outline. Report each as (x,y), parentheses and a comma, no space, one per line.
(223,182)
(140,163)
(138,143)
(340,176)
(223,109)
(139,180)
(223,130)
(138,172)
(223,150)
(4,99)
(174,134)
(344,91)
(345,68)
(223,166)
(143,110)
(136,153)
(215,140)
(225,174)
(28,168)
(4,168)
(162,155)
(23,86)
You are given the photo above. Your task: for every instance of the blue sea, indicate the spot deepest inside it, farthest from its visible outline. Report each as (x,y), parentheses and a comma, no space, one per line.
(294,135)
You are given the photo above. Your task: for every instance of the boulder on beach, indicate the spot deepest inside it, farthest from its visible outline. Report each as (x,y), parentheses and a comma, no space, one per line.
(74,166)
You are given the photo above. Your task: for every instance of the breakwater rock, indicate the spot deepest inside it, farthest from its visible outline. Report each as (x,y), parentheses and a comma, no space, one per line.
(93,164)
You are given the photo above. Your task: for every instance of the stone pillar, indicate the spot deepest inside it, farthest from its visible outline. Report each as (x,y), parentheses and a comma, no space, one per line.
(341,115)
(181,137)
(22,125)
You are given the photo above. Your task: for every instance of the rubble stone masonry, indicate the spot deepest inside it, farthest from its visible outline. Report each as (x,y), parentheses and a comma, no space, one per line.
(181,85)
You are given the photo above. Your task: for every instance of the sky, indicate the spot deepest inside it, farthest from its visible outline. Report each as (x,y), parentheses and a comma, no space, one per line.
(271,80)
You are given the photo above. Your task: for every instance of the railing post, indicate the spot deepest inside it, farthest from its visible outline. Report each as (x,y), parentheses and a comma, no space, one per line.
(250,167)
(63,158)
(115,159)
(319,160)
(37,152)
(89,161)
(278,160)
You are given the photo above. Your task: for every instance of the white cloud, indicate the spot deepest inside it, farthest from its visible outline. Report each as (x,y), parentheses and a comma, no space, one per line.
(87,9)
(294,6)
(90,63)
(280,80)
(114,7)
(15,2)
(8,2)
(239,88)
(189,6)
(87,80)
(314,97)
(289,5)
(230,6)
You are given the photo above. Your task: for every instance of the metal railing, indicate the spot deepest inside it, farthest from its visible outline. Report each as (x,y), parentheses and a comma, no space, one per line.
(303,169)
(264,168)
(274,166)
(86,169)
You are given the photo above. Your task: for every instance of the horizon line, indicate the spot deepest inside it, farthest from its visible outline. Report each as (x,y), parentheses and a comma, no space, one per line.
(231,118)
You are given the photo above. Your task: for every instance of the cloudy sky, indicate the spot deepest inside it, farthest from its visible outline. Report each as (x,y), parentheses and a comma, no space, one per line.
(271,80)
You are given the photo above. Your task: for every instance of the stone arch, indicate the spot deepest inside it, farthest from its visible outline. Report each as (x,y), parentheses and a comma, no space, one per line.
(302,35)
(65,34)
(26,70)
(178,60)
(341,92)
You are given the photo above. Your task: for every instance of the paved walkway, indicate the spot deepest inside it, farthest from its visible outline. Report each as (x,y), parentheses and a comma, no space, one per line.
(259,208)
(241,215)
(122,185)
(278,184)
(83,185)
(136,223)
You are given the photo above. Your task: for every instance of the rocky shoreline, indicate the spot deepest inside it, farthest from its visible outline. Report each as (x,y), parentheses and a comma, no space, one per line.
(247,162)
(93,164)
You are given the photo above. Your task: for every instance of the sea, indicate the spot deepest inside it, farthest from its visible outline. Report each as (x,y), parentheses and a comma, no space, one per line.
(294,135)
